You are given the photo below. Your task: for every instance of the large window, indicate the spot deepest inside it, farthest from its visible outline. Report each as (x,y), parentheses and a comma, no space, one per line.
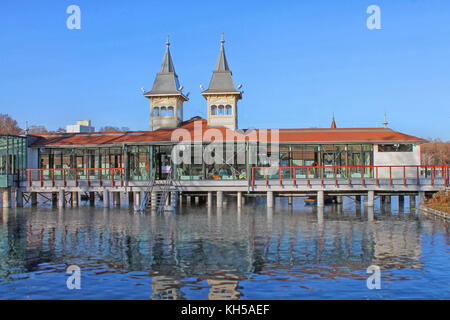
(395,148)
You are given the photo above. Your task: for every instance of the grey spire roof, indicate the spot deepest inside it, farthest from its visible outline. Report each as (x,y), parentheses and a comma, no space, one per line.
(166,81)
(221,80)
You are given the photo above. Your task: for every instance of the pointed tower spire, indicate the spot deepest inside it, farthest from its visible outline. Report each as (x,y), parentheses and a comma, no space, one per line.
(333,123)
(167,64)
(166,97)
(221,80)
(221,95)
(166,81)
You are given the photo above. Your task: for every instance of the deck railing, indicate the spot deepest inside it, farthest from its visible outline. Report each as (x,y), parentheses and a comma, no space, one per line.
(352,175)
(99,175)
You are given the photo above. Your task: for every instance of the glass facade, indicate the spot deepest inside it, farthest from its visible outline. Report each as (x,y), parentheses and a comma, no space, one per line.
(212,162)
(13,158)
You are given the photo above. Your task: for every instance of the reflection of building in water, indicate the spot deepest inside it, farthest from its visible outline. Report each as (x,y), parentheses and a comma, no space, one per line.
(166,288)
(224,287)
(397,244)
(223,290)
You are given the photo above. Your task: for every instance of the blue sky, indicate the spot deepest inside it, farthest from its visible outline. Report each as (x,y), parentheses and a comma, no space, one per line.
(298,61)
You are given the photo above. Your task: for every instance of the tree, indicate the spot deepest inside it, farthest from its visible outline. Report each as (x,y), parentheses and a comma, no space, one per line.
(435,152)
(8,125)
(113,129)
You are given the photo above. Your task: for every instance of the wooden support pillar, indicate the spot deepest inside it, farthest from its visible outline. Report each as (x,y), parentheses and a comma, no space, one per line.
(33,199)
(136,195)
(61,199)
(210,199)
(116,199)
(219,199)
(339,199)
(269,199)
(290,201)
(92,199)
(370,213)
(7,198)
(106,200)
(388,199)
(197,200)
(130,198)
(358,199)
(421,196)
(188,200)
(320,199)
(401,201)
(54,198)
(239,199)
(412,201)
(19,198)
(370,198)
(75,200)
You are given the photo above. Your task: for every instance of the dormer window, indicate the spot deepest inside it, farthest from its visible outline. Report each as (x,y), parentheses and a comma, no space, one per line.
(228,110)
(163,112)
(213,110)
(221,110)
(156,111)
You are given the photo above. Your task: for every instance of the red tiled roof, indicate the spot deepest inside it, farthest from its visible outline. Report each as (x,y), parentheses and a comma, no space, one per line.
(191,129)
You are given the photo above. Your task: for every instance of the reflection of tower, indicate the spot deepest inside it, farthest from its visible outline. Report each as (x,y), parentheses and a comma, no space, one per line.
(223,289)
(166,288)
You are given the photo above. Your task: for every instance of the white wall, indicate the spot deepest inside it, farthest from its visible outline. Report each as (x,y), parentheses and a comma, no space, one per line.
(396,158)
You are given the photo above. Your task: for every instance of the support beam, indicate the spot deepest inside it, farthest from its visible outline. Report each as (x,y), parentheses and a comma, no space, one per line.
(7,198)
(106,200)
(421,196)
(370,198)
(412,201)
(219,199)
(401,201)
(54,198)
(75,200)
(239,199)
(210,199)
(61,199)
(269,199)
(116,199)
(19,198)
(320,199)
(92,199)
(33,199)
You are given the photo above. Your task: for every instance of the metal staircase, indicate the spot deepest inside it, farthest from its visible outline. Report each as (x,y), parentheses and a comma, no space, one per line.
(156,200)
(164,195)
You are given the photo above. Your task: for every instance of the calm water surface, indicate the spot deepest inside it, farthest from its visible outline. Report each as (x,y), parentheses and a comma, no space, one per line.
(201,253)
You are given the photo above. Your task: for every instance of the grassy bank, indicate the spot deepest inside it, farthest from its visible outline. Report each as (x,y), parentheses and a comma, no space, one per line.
(440,201)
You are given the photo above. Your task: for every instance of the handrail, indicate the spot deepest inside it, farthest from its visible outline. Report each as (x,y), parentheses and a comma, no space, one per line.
(75,174)
(372,171)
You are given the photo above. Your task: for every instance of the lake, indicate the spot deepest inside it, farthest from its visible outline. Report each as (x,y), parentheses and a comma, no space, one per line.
(297,252)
